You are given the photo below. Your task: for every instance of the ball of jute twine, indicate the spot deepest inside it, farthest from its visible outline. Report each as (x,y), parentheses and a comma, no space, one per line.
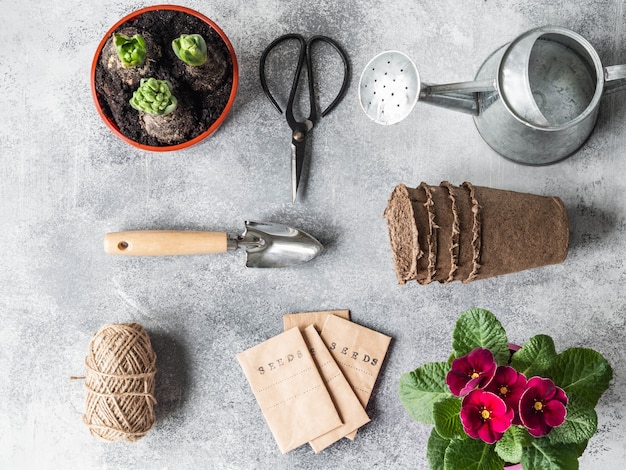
(120,370)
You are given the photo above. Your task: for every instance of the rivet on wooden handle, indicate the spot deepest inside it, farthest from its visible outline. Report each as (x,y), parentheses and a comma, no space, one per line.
(164,242)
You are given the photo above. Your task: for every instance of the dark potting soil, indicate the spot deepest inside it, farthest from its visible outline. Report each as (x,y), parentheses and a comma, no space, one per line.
(202,92)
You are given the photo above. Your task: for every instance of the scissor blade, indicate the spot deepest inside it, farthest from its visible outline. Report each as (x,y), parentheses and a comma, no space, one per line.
(295,176)
(298,146)
(297,162)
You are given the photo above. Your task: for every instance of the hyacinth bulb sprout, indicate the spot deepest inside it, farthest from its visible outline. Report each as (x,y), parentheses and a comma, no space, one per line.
(130,50)
(191,49)
(154,96)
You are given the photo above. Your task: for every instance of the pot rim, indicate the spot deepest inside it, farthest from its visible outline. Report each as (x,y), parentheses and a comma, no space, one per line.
(218,122)
(514,347)
(592,108)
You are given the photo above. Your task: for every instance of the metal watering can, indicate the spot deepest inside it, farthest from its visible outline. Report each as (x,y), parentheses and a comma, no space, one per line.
(535,100)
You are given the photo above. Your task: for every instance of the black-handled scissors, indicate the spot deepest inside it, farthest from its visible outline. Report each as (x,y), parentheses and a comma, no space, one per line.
(300,129)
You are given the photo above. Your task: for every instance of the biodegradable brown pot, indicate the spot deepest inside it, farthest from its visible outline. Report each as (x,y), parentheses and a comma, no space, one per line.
(202,108)
(468,232)
(520,231)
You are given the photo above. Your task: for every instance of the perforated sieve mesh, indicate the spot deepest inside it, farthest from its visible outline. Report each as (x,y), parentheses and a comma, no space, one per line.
(389,87)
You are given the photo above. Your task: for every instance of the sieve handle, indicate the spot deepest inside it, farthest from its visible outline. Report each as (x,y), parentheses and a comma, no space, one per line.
(614,78)
(165,242)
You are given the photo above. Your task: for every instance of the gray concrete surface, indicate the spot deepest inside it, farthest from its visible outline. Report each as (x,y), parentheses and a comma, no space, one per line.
(65,180)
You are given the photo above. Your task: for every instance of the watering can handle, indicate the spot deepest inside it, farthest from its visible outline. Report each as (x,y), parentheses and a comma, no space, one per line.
(614,78)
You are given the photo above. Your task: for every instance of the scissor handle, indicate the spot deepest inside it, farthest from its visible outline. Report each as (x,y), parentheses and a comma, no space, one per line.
(305,54)
(301,58)
(346,70)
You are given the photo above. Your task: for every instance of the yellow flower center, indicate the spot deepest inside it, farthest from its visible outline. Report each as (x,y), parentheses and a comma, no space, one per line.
(485,414)
(504,390)
(475,375)
(538,406)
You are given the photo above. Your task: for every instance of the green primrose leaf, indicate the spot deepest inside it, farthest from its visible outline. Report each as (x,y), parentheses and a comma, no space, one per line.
(420,389)
(541,455)
(191,49)
(480,328)
(535,356)
(582,373)
(511,446)
(580,447)
(447,420)
(580,424)
(154,96)
(436,450)
(131,51)
(472,454)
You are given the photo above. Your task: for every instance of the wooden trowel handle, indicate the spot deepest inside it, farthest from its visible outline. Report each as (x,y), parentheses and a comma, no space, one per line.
(165,242)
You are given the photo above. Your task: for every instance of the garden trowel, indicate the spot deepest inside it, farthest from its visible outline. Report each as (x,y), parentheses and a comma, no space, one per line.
(267,245)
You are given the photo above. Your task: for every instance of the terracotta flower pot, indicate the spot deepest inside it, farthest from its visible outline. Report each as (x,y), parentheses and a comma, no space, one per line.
(216,119)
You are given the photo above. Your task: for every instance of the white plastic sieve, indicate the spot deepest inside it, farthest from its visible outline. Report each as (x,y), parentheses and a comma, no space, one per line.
(389,87)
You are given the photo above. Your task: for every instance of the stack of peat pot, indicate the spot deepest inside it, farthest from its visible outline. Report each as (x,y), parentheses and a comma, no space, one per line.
(446,233)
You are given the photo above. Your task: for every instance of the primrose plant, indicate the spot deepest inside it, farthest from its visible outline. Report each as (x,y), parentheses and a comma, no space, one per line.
(191,49)
(130,50)
(493,406)
(154,96)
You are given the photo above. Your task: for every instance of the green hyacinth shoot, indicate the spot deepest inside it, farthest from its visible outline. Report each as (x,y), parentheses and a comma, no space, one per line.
(131,51)
(154,96)
(191,49)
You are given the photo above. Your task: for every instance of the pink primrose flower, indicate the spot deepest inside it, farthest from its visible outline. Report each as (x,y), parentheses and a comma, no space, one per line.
(472,371)
(542,406)
(485,416)
(508,384)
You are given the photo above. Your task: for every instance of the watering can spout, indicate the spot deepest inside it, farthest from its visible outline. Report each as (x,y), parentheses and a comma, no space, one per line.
(614,78)
(534,100)
(390,86)
(462,96)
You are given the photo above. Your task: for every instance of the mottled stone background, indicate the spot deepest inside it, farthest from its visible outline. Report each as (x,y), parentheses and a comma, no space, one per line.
(65,180)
